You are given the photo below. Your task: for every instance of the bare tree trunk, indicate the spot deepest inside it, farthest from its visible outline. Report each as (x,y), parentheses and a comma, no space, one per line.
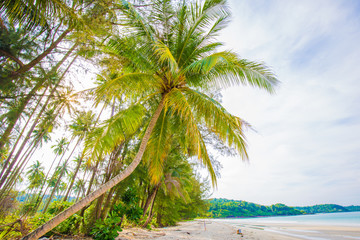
(23,129)
(93,177)
(115,198)
(13,178)
(35,61)
(150,216)
(150,198)
(15,117)
(41,196)
(97,210)
(23,143)
(7,132)
(103,188)
(73,178)
(106,206)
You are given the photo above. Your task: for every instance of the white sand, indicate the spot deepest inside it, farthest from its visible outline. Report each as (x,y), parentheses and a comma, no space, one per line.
(217,230)
(198,230)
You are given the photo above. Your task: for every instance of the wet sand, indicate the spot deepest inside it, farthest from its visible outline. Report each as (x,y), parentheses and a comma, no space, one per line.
(218,230)
(302,231)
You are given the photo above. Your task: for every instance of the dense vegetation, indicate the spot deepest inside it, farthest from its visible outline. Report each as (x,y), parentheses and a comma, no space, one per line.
(353,208)
(121,145)
(328,208)
(224,208)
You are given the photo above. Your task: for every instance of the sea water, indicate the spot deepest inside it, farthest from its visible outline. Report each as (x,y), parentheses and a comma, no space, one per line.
(344,219)
(351,219)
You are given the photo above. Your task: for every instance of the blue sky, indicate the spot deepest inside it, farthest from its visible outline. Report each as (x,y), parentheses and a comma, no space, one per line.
(306,149)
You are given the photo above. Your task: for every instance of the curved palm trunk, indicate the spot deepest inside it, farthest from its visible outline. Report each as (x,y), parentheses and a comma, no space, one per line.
(103,188)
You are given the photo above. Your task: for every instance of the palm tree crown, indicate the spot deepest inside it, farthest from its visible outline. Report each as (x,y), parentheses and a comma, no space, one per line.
(172,56)
(169,62)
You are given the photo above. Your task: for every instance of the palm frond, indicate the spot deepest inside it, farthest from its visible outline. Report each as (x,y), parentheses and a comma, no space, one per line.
(228,128)
(130,84)
(226,69)
(158,147)
(134,21)
(178,102)
(133,56)
(165,56)
(114,131)
(32,14)
(202,16)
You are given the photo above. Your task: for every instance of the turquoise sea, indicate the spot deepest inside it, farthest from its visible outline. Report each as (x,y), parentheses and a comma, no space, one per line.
(327,226)
(339,219)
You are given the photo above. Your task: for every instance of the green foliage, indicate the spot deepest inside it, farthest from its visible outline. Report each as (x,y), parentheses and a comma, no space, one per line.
(11,226)
(28,207)
(9,205)
(107,229)
(39,219)
(69,226)
(171,207)
(224,208)
(129,207)
(58,206)
(353,208)
(323,208)
(129,196)
(133,213)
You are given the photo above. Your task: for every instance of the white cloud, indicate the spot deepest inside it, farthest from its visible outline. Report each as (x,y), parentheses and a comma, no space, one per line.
(307,145)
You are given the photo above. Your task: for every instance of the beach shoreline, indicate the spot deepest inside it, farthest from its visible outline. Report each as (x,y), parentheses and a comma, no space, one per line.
(217,230)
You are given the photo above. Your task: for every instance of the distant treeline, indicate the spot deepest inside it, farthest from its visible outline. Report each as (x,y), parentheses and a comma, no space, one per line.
(328,208)
(224,208)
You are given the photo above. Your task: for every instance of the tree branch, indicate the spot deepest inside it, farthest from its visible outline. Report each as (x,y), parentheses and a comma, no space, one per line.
(12,57)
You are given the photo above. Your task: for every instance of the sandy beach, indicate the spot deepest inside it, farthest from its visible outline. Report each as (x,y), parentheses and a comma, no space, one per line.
(217,230)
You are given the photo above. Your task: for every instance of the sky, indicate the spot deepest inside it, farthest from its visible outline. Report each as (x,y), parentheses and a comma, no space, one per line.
(305,149)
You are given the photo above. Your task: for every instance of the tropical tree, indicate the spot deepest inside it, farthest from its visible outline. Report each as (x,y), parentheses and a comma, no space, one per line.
(79,188)
(53,22)
(169,62)
(35,175)
(81,126)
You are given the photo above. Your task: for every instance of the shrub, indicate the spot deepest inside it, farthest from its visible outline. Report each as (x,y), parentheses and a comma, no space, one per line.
(107,229)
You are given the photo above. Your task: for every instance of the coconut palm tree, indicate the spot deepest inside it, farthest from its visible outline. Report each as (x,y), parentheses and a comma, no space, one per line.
(81,126)
(79,188)
(169,62)
(35,175)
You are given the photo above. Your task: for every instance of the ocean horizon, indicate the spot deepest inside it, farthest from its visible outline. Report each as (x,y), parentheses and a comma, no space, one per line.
(339,219)
(322,226)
